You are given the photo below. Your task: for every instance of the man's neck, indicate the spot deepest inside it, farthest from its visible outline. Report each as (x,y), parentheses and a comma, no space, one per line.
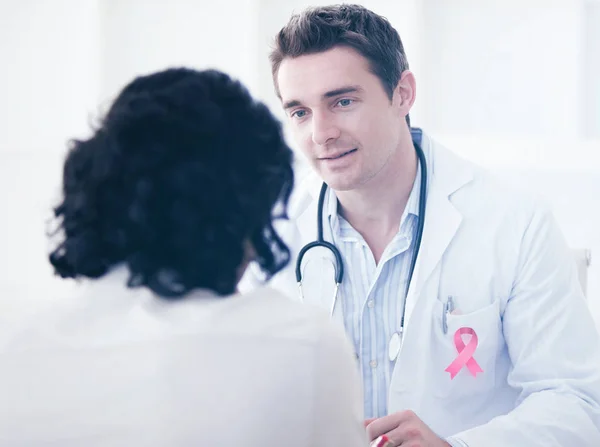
(375,209)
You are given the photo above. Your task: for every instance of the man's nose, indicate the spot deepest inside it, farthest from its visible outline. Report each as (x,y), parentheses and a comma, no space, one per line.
(324,129)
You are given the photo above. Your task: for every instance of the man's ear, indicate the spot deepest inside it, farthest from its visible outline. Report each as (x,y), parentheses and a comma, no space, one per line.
(405,92)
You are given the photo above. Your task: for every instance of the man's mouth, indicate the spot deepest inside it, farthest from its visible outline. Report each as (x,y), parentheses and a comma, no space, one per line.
(343,154)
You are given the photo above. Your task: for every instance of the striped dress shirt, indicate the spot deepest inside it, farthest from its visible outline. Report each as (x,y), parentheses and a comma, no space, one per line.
(372,295)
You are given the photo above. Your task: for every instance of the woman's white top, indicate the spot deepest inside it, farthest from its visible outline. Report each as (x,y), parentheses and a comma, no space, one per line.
(113,366)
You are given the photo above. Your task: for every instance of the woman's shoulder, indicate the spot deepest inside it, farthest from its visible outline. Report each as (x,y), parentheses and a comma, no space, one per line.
(268,311)
(101,318)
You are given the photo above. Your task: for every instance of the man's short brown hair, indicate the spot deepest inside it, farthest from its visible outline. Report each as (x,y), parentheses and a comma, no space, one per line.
(319,29)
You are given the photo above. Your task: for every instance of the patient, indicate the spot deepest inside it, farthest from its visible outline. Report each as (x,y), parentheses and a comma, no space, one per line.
(163,207)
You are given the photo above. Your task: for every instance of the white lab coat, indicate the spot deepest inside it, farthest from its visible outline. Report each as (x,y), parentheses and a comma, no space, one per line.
(499,254)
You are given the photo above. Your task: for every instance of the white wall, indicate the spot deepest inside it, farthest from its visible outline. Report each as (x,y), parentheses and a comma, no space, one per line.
(48,84)
(50,72)
(140,36)
(512,85)
(591,85)
(510,68)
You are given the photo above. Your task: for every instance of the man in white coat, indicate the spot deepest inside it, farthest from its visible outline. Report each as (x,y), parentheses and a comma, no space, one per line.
(493,344)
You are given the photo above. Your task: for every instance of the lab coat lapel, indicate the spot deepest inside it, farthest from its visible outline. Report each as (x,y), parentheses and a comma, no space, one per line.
(307,218)
(448,173)
(305,214)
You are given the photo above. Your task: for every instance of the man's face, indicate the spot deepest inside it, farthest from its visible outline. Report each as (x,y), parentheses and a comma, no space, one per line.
(340,115)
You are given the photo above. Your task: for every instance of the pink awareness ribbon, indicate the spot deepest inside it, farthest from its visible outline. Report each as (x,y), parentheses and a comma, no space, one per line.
(465,353)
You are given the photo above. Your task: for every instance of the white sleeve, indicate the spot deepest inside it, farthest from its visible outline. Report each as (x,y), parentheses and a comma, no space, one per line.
(338,410)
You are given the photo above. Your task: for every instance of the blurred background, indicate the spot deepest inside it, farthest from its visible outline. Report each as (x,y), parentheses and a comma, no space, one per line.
(513,85)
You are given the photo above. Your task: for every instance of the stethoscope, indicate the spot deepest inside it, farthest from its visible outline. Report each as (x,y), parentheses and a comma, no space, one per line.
(395,340)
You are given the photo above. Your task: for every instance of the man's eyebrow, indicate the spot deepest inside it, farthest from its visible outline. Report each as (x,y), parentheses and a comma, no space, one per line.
(290,104)
(329,94)
(342,91)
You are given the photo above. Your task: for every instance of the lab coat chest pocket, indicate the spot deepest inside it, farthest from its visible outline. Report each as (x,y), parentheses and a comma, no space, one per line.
(481,330)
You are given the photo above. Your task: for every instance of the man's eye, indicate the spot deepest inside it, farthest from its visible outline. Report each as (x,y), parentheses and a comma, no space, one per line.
(345,102)
(299,114)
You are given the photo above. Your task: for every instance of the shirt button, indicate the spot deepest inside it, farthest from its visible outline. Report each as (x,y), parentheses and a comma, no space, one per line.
(371,304)
(373,363)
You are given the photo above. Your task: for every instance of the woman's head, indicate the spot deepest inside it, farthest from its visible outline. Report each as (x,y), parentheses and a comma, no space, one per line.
(180,177)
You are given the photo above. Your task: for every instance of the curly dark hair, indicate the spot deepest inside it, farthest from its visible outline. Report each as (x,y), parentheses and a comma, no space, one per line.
(184,170)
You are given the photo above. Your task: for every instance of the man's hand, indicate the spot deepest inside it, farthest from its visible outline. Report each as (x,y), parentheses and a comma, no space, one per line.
(403,429)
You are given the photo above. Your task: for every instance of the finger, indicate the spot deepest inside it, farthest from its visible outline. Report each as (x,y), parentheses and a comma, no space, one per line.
(368,421)
(378,428)
(406,433)
(384,425)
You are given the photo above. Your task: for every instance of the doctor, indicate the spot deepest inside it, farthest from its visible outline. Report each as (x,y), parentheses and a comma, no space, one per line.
(493,344)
